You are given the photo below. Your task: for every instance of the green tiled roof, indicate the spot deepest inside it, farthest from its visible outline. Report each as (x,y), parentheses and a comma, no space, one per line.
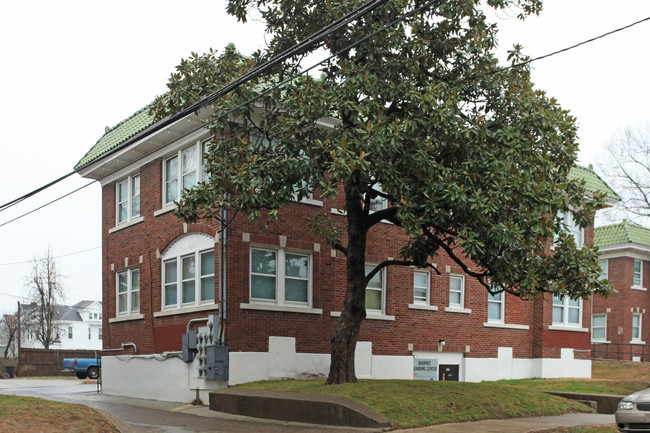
(141,120)
(117,135)
(625,232)
(593,182)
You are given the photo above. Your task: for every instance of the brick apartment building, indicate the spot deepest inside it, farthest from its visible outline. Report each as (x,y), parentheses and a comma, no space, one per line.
(620,326)
(280,288)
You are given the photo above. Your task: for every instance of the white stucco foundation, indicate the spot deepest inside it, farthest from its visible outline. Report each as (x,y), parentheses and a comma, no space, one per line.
(157,377)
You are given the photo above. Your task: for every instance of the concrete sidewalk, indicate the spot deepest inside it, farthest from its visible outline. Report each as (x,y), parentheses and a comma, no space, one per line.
(132,415)
(513,425)
(518,425)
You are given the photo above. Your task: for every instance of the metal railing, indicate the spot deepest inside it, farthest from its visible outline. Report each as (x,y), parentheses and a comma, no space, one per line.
(620,351)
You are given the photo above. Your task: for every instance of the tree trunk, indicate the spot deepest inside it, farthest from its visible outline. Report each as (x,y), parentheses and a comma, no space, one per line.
(344,340)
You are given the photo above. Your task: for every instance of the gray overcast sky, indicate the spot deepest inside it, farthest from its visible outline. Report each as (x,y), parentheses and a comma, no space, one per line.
(70,68)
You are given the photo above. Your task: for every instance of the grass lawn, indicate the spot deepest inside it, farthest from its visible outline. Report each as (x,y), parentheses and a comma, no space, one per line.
(408,403)
(23,414)
(607,377)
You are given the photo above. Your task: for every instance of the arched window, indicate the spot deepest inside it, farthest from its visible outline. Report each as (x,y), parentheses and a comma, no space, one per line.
(188,272)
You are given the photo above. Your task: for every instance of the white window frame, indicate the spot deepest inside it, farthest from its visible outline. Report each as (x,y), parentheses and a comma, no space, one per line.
(281,277)
(130,294)
(562,302)
(635,273)
(382,290)
(572,229)
(594,327)
(427,288)
(70,333)
(89,333)
(461,305)
(378,203)
(501,302)
(196,279)
(132,184)
(100,334)
(639,329)
(200,148)
(604,269)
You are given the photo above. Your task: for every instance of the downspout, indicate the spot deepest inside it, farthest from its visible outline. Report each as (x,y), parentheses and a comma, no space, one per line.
(223,277)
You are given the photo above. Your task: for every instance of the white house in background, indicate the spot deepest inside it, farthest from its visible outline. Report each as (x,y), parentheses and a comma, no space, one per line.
(78,327)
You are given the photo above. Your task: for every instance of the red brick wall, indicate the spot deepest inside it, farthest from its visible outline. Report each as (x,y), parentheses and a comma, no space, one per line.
(624,301)
(248,330)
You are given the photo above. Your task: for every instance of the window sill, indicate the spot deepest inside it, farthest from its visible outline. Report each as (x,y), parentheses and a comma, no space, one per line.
(422,307)
(369,316)
(126,224)
(311,202)
(280,308)
(505,325)
(185,310)
(641,289)
(341,212)
(458,310)
(567,328)
(165,209)
(126,318)
(637,342)
(600,341)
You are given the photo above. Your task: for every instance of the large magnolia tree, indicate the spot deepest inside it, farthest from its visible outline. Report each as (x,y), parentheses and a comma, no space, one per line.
(472,162)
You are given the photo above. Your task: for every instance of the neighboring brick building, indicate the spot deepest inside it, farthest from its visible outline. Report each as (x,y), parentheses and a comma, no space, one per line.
(620,326)
(159,273)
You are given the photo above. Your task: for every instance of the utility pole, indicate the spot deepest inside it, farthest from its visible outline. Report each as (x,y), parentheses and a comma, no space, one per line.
(19,330)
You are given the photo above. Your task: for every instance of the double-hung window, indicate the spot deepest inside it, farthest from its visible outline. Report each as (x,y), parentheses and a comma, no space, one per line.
(604,264)
(637,275)
(636,328)
(567,311)
(496,307)
(456,291)
(128,199)
(378,203)
(279,276)
(421,288)
(599,327)
(128,292)
(184,170)
(375,291)
(573,229)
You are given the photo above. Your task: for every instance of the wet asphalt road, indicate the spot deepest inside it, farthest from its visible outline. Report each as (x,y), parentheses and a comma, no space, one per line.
(148,416)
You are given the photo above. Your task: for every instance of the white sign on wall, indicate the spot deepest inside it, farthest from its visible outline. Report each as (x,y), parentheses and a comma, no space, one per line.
(425,369)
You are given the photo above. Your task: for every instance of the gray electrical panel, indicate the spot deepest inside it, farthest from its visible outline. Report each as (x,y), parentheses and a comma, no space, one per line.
(217,363)
(189,346)
(212,357)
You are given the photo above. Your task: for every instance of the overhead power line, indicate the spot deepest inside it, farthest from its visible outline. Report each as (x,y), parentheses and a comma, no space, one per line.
(295,50)
(56,257)
(563,50)
(36,191)
(47,204)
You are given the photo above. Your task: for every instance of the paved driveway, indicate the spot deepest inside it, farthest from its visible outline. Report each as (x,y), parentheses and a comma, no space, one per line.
(148,416)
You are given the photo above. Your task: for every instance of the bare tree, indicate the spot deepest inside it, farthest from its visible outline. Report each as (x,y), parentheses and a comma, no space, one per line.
(46,293)
(627,170)
(9,330)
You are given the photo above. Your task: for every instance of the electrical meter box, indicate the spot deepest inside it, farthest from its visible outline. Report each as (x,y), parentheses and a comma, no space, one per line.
(216,363)
(189,346)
